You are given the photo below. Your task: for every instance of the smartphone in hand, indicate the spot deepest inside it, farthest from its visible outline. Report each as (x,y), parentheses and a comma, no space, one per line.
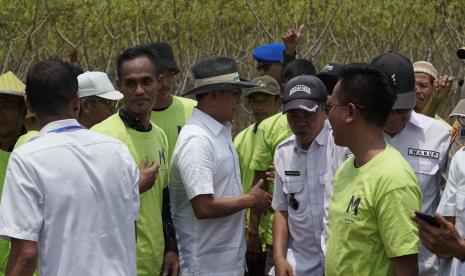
(429,219)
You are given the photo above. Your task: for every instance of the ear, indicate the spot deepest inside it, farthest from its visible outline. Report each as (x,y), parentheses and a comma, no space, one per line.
(352,113)
(28,105)
(118,85)
(86,106)
(76,104)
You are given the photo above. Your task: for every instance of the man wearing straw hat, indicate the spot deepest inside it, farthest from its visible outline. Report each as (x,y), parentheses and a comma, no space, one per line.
(12,112)
(205,183)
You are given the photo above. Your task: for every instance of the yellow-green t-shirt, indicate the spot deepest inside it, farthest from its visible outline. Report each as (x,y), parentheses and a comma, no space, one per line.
(173,118)
(23,139)
(4,244)
(153,144)
(270,133)
(369,216)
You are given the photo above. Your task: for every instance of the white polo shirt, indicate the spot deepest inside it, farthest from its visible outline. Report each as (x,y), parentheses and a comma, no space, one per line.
(424,143)
(301,176)
(205,162)
(453,203)
(63,192)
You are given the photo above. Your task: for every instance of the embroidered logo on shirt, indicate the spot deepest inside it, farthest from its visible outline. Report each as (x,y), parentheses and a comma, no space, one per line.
(423,153)
(292,173)
(352,211)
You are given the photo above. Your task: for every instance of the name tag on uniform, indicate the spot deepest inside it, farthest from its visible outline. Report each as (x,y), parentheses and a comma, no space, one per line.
(292,173)
(423,153)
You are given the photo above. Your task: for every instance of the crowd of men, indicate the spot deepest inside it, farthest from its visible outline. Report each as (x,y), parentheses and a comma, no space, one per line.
(345,171)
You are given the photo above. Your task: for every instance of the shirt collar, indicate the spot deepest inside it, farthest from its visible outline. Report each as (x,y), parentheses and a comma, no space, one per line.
(132,122)
(209,122)
(415,119)
(58,124)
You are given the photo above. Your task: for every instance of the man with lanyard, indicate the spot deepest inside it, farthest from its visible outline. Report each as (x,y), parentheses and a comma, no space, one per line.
(99,99)
(138,81)
(422,140)
(170,112)
(264,101)
(63,201)
(302,165)
(375,190)
(12,112)
(207,202)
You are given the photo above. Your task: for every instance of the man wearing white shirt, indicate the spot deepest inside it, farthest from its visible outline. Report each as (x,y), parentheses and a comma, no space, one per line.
(303,166)
(422,141)
(64,201)
(205,187)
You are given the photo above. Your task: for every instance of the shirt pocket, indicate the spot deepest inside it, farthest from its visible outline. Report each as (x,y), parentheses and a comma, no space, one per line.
(296,193)
(425,169)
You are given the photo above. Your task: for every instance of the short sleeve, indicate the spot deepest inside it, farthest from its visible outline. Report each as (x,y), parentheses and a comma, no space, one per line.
(262,154)
(194,160)
(447,204)
(133,173)
(22,204)
(279,202)
(398,232)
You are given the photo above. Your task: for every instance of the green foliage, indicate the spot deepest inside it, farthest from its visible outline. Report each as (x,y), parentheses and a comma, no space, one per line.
(93,33)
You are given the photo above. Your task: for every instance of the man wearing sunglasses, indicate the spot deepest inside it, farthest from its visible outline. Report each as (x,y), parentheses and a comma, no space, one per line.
(422,140)
(99,99)
(302,170)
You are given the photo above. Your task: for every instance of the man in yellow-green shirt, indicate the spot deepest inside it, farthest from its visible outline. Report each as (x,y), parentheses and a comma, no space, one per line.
(264,102)
(138,81)
(375,190)
(12,113)
(170,112)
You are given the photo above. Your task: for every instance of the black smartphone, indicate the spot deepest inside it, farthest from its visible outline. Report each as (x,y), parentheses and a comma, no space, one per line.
(429,219)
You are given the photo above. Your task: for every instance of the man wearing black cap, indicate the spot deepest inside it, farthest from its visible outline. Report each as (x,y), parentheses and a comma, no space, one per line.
(422,140)
(170,112)
(329,75)
(302,170)
(205,186)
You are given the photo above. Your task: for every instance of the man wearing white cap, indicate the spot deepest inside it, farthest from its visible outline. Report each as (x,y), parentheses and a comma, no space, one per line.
(430,88)
(99,99)
(12,112)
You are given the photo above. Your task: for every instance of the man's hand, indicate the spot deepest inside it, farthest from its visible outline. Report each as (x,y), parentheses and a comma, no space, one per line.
(442,86)
(170,264)
(291,39)
(147,175)
(270,174)
(261,199)
(443,241)
(282,268)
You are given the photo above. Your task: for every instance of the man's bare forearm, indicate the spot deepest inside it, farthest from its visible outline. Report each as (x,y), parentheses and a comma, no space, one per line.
(209,206)
(280,234)
(23,258)
(405,265)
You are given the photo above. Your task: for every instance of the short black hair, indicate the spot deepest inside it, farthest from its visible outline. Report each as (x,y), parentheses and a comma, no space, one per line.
(370,87)
(77,70)
(50,86)
(298,67)
(135,52)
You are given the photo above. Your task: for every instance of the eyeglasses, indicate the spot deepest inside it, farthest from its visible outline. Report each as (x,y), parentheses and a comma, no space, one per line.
(113,105)
(329,106)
